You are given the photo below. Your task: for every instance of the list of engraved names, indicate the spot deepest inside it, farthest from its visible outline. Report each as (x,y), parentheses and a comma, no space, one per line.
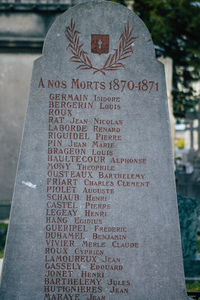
(83,173)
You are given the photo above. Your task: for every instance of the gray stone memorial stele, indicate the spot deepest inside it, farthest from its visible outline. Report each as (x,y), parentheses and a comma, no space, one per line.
(94,214)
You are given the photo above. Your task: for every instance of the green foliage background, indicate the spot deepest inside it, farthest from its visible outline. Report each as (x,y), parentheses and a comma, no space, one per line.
(175,30)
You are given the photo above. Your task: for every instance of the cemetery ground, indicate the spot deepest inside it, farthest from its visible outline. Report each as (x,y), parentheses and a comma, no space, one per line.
(191,286)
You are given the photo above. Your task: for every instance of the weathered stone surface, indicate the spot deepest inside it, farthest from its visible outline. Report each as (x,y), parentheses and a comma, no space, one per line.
(94,213)
(14,83)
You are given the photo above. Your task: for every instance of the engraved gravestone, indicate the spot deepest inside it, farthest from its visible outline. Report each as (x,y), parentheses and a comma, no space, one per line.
(94,213)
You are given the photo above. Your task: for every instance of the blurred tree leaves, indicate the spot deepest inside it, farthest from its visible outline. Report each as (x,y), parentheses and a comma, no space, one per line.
(175,30)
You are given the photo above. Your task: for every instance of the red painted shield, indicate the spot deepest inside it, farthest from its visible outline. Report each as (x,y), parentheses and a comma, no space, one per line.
(100,43)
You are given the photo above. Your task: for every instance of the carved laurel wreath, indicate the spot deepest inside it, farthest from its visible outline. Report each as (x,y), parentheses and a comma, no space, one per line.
(113,61)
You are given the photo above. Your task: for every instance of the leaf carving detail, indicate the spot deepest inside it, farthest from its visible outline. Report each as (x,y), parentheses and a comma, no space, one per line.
(113,62)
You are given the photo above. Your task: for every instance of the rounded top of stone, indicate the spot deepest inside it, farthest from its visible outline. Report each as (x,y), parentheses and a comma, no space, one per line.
(97,18)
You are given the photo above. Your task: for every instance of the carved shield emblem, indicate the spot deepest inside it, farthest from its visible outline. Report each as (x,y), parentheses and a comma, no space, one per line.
(100,43)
